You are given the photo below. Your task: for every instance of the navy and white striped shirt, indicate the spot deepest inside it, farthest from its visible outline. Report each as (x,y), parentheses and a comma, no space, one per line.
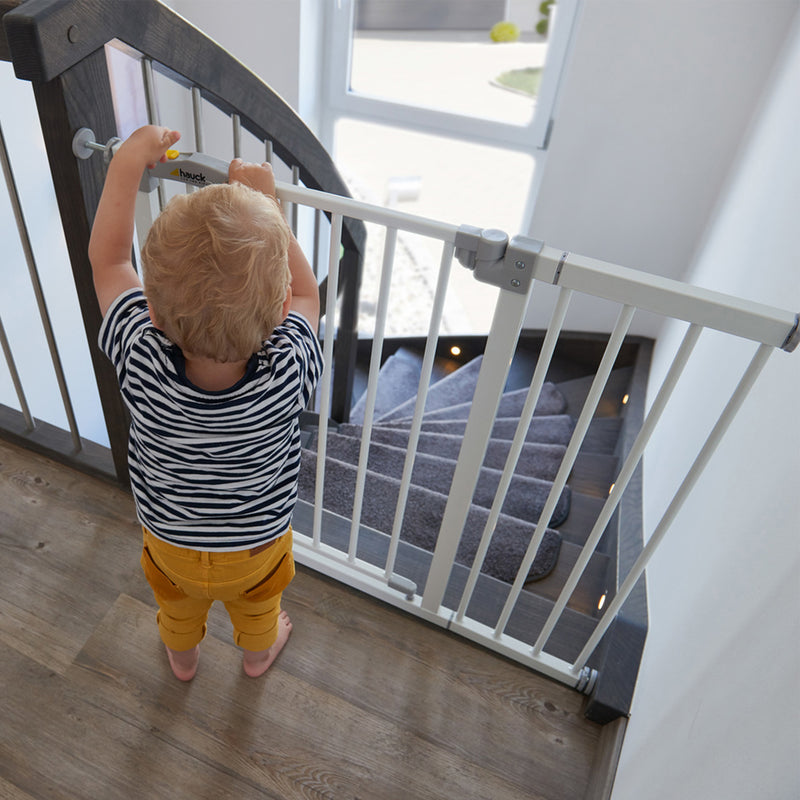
(211,470)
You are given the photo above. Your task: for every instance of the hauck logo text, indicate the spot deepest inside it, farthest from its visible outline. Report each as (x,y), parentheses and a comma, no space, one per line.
(192,177)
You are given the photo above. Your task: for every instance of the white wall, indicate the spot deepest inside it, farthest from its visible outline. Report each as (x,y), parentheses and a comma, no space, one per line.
(264,37)
(656,99)
(716,711)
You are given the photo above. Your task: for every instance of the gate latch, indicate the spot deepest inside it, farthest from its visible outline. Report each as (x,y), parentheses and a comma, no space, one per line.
(495,260)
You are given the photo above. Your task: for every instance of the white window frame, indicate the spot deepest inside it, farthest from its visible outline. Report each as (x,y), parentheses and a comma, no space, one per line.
(341,102)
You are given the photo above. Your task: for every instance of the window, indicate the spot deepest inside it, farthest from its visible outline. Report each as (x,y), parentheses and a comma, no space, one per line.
(425,112)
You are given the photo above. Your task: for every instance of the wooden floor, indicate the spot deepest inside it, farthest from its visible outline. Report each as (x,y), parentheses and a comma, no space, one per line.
(364,702)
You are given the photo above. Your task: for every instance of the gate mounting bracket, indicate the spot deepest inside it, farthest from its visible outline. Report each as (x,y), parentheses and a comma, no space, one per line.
(495,260)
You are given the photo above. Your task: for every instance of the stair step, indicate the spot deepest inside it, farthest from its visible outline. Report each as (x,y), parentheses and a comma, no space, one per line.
(525,498)
(536,460)
(453,389)
(398,382)
(592,585)
(583,513)
(575,392)
(413,563)
(551,402)
(593,474)
(422,518)
(555,429)
(602,435)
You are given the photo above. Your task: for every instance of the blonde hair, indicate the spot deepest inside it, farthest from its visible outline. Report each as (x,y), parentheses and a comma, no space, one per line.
(216,270)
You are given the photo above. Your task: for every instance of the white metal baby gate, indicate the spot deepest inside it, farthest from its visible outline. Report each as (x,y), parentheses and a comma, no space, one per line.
(514,267)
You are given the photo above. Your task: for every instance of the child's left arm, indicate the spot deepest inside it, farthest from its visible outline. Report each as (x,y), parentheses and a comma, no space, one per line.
(112,232)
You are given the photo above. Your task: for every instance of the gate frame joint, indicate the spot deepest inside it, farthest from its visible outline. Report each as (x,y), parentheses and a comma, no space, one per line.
(495,260)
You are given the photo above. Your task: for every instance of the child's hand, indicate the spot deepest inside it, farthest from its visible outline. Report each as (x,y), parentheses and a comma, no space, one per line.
(257,176)
(149,144)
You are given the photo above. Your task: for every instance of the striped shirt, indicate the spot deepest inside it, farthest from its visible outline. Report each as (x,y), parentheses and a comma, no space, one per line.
(211,470)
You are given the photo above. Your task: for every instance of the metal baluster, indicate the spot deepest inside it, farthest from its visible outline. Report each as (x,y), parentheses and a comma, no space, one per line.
(12,368)
(295,207)
(237,135)
(389,246)
(327,377)
(36,284)
(197,117)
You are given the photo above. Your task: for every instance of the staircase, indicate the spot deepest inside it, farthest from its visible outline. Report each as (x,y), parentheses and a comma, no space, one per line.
(447,407)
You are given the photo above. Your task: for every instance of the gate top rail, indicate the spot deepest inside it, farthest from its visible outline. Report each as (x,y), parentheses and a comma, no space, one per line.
(514,264)
(723,312)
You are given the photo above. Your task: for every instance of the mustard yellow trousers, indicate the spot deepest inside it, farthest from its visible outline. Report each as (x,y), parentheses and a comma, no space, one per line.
(186,583)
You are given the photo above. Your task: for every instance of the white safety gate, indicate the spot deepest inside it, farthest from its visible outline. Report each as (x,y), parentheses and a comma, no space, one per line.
(514,267)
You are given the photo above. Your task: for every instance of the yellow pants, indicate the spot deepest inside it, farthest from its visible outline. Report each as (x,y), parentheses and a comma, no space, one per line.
(186,582)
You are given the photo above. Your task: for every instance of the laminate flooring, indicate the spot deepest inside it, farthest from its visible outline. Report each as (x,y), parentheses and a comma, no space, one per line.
(364,702)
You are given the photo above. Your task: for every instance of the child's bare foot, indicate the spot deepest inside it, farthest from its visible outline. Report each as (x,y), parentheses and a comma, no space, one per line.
(258,662)
(184,662)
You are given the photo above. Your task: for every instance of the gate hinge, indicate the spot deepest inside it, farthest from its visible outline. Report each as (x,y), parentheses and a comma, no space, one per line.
(495,260)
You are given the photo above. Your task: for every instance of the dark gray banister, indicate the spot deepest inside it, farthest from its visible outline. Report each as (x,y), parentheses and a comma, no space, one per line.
(48,40)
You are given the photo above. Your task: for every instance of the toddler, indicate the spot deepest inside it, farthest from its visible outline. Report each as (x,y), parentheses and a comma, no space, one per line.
(216,357)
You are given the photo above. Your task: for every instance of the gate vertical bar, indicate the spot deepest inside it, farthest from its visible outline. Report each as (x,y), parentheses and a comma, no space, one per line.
(503,336)
(372,384)
(12,368)
(325,389)
(537,381)
(422,392)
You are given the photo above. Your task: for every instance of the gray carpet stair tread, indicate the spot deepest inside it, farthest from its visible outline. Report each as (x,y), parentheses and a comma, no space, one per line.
(423,516)
(551,402)
(488,598)
(576,390)
(398,381)
(450,390)
(535,461)
(545,430)
(525,498)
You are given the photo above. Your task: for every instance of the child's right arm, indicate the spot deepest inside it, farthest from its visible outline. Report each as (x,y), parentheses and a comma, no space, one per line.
(305,291)
(112,231)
